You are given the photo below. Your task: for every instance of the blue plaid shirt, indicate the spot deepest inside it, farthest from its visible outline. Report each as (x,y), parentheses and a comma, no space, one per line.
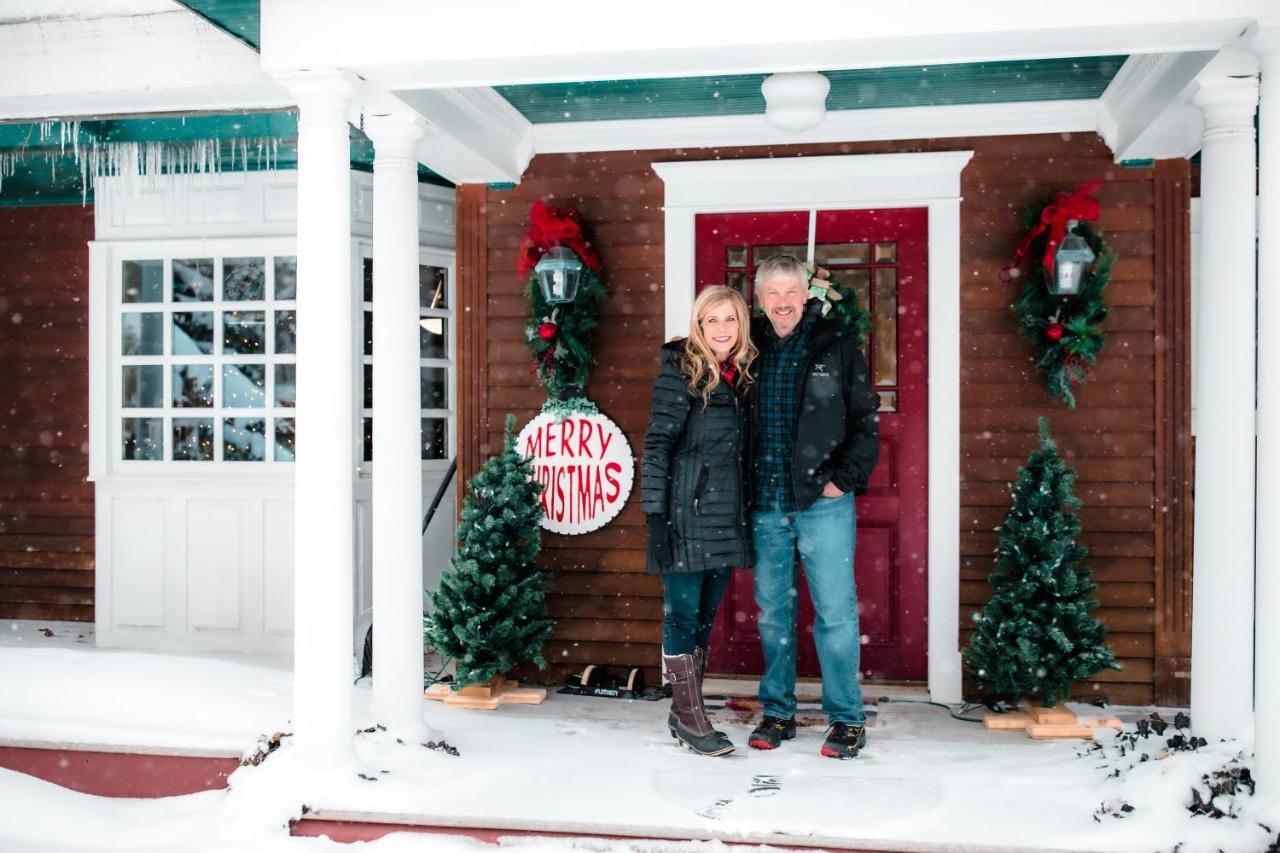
(781,361)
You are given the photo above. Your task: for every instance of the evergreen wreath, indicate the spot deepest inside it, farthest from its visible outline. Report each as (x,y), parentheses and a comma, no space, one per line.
(1063,330)
(841,303)
(1035,636)
(559,336)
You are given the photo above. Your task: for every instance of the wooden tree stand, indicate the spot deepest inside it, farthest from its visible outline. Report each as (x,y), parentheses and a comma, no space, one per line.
(1040,722)
(488,696)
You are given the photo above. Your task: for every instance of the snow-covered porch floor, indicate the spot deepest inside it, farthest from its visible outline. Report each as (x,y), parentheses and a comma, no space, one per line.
(579,765)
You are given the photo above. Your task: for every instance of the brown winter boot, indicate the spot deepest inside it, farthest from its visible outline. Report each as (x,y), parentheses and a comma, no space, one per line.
(688,721)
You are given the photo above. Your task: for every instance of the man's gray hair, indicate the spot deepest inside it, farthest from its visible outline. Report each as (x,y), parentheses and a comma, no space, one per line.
(780,264)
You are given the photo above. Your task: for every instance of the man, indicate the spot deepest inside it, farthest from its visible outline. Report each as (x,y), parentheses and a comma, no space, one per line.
(816,440)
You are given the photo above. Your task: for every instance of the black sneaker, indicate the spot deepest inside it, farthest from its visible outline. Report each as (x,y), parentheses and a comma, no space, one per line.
(771,732)
(844,740)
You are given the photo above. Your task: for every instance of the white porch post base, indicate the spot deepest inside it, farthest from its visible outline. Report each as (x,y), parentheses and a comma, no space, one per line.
(1222,630)
(1266,739)
(397,454)
(326,440)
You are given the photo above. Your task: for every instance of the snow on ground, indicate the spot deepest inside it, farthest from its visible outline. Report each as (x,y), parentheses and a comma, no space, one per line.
(586,766)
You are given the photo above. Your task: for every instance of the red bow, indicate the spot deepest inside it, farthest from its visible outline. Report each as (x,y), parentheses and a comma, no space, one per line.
(550,227)
(1079,205)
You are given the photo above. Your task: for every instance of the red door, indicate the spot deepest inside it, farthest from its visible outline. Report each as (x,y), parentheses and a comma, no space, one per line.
(882,255)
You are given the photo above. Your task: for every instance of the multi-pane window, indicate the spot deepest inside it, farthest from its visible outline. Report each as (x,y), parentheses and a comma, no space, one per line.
(435,363)
(869,269)
(207,358)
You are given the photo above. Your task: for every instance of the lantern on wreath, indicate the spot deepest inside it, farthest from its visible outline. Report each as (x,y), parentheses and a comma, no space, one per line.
(558,273)
(1071,262)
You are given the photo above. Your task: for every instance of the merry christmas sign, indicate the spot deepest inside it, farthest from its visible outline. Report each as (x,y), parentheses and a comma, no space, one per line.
(585,467)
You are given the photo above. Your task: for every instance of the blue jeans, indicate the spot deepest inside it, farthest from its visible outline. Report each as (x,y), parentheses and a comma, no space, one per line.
(824,534)
(689,604)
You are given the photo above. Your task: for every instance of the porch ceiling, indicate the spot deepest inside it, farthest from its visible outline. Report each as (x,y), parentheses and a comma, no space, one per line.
(853,89)
(45,159)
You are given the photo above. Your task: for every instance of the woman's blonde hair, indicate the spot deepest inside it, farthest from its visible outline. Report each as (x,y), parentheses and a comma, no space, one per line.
(699,361)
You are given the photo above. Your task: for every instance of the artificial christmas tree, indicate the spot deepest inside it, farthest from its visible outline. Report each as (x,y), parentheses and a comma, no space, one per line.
(1035,637)
(490,610)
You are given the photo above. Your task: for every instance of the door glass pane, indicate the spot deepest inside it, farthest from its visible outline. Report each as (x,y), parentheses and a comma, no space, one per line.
(888,401)
(244,279)
(759,253)
(433,438)
(368,386)
(433,287)
(243,332)
(284,451)
(841,253)
(142,334)
(886,327)
(192,385)
(433,337)
(192,332)
(244,386)
(857,280)
(434,393)
(142,386)
(244,439)
(143,281)
(286,277)
(368,439)
(193,280)
(736,281)
(735,256)
(368,333)
(142,438)
(193,439)
(286,331)
(286,392)
(886,253)
(368,279)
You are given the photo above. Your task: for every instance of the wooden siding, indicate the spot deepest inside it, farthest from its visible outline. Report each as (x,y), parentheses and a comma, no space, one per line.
(609,611)
(46,504)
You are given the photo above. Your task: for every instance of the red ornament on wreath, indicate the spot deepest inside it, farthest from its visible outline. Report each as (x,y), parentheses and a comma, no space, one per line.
(547,331)
(1054,331)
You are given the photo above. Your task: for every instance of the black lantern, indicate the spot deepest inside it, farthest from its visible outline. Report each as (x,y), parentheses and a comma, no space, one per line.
(1070,263)
(558,274)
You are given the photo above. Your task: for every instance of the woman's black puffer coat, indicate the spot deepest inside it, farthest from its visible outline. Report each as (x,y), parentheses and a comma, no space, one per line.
(694,467)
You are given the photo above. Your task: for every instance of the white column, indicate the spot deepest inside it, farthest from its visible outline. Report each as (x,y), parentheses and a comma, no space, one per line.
(397,445)
(1267,595)
(1222,623)
(323,499)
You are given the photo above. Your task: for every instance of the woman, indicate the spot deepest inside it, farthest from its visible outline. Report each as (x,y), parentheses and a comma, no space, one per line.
(693,495)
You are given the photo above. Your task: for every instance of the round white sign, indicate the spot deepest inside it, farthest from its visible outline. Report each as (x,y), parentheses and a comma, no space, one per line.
(585,467)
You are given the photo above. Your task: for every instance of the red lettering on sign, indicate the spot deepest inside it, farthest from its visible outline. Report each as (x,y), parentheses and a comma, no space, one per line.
(559,497)
(584,436)
(549,445)
(611,472)
(606,438)
(566,438)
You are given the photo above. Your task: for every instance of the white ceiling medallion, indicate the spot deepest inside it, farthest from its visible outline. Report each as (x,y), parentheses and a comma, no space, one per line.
(795,101)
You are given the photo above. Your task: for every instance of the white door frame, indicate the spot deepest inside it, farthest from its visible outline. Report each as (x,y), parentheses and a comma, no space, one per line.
(849,182)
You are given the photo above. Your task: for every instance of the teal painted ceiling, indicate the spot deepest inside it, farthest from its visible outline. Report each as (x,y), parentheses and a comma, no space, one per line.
(240,18)
(869,88)
(46,160)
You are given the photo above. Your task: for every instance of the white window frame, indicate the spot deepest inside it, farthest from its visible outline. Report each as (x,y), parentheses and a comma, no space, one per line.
(445,259)
(106,380)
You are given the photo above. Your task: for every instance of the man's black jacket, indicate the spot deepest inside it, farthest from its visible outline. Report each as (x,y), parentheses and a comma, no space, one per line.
(837,429)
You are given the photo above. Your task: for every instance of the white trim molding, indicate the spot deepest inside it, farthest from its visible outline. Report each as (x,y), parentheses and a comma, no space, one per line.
(861,181)
(937,122)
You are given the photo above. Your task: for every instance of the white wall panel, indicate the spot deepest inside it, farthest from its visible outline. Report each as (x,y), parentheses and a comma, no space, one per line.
(277,568)
(214,565)
(137,562)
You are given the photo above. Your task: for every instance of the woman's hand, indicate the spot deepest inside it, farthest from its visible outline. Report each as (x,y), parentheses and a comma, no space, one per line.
(658,541)
(831,490)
